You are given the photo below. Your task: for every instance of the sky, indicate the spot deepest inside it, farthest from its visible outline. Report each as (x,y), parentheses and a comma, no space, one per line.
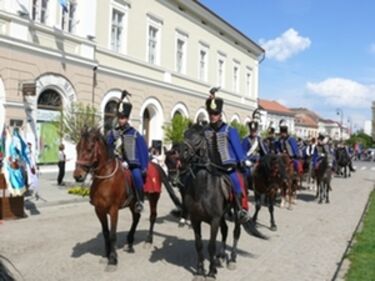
(320,54)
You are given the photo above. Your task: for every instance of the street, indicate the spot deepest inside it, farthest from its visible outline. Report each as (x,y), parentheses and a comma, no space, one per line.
(64,242)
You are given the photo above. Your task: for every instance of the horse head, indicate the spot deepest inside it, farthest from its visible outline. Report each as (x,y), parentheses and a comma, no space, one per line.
(194,147)
(89,152)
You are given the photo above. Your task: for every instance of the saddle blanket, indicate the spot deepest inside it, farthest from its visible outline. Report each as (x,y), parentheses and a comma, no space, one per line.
(153,179)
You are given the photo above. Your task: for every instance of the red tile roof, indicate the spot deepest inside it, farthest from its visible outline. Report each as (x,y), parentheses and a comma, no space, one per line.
(274,107)
(305,120)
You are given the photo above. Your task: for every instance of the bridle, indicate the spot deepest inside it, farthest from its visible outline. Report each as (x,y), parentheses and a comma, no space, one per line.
(92,167)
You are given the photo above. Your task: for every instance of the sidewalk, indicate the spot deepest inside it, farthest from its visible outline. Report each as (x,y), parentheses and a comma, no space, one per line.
(50,194)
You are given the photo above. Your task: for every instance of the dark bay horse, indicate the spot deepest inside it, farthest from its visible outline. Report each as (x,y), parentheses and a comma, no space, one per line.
(288,190)
(342,161)
(269,176)
(112,189)
(206,196)
(323,175)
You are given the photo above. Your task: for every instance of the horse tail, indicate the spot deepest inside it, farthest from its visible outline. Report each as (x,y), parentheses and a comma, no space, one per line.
(250,228)
(168,187)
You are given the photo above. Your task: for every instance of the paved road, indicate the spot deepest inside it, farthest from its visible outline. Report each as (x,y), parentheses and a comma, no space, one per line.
(64,242)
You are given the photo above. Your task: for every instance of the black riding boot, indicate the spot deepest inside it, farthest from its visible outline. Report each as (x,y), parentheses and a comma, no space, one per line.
(140,198)
(242,214)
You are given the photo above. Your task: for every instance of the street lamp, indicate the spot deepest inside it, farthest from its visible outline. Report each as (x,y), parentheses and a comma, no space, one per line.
(340,112)
(350,122)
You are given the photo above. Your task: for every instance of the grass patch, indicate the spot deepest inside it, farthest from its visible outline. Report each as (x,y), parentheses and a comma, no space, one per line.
(79,190)
(362,255)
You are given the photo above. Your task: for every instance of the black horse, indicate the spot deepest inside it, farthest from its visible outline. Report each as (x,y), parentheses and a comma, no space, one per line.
(269,176)
(323,176)
(342,161)
(207,190)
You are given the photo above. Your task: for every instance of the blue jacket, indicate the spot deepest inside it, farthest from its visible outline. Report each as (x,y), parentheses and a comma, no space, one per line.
(289,145)
(228,144)
(130,146)
(247,144)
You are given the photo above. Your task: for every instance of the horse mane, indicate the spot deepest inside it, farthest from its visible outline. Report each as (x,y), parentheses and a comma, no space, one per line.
(95,132)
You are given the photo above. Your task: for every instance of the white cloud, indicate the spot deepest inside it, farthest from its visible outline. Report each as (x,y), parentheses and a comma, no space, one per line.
(285,46)
(343,92)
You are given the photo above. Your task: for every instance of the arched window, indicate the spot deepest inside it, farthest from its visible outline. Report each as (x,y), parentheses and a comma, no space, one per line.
(50,100)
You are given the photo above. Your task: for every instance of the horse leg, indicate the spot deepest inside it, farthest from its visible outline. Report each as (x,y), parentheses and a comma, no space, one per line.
(102,216)
(327,191)
(215,223)
(112,259)
(130,238)
(321,191)
(153,198)
(258,205)
(221,257)
(236,237)
(198,246)
(271,203)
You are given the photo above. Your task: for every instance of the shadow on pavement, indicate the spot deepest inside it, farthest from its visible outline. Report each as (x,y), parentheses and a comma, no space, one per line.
(31,207)
(306,197)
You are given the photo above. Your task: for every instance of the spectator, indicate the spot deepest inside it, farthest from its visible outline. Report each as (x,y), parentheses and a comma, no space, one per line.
(61,165)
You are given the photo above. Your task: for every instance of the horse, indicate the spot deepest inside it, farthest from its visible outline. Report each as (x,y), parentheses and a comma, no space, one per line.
(342,161)
(268,177)
(207,191)
(112,189)
(289,189)
(323,175)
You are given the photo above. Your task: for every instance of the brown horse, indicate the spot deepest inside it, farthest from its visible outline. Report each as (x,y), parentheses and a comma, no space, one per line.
(112,189)
(269,176)
(288,190)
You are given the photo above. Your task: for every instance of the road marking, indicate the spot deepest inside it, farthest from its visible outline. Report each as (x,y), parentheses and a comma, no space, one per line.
(363,168)
(355,167)
(373,169)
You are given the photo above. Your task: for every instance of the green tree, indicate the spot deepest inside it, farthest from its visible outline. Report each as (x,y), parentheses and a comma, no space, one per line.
(74,118)
(174,132)
(360,138)
(242,130)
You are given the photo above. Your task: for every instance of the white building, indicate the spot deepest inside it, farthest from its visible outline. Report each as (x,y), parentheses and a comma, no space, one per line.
(367,128)
(273,112)
(166,53)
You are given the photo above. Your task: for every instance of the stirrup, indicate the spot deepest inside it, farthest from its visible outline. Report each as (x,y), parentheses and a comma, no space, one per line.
(138,208)
(243,216)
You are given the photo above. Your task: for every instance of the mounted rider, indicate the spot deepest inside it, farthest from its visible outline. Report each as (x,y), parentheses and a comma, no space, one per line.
(270,141)
(225,150)
(130,147)
(253,144)
(288,144)
(322,149)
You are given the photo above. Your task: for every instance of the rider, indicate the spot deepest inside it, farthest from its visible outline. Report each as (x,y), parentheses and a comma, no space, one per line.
(253,144)
(270,141)
(288,144)
(321,149)
(225,150)
(130,147)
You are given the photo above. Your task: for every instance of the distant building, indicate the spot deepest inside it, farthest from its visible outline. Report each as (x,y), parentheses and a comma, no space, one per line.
(306,123)
(273,112)
(333,129)
(367,128)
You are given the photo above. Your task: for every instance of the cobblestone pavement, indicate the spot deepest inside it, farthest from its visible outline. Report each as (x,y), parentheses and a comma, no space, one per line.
(64,242)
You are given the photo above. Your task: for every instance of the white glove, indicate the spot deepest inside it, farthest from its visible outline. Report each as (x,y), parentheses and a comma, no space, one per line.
(248,163)
(125,165)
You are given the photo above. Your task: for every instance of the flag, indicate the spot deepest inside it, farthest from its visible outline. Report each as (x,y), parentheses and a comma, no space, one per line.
(64,5)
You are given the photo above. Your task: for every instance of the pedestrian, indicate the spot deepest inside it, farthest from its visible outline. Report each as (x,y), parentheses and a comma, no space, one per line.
(61,165)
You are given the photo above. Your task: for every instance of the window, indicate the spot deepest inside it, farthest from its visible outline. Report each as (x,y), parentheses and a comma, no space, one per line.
(236,70)
(180,55)
(117,30)
(152,44)
(248,83)
(68,17)
(40,10)
(203,54)
(221,72)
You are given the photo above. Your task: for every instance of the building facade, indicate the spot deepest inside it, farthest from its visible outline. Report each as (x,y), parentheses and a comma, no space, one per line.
(272,112)
(166,53)
(306,123)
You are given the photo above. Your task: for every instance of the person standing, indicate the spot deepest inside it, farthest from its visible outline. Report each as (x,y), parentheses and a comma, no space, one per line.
(61,165)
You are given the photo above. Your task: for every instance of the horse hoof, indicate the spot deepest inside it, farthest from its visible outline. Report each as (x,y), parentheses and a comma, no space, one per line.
(327,202)
(320,202)
(129,249)
(147,245)
(103,260)
(110,268)
(290,208)
(199,278)
(273,228)
(231,265)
